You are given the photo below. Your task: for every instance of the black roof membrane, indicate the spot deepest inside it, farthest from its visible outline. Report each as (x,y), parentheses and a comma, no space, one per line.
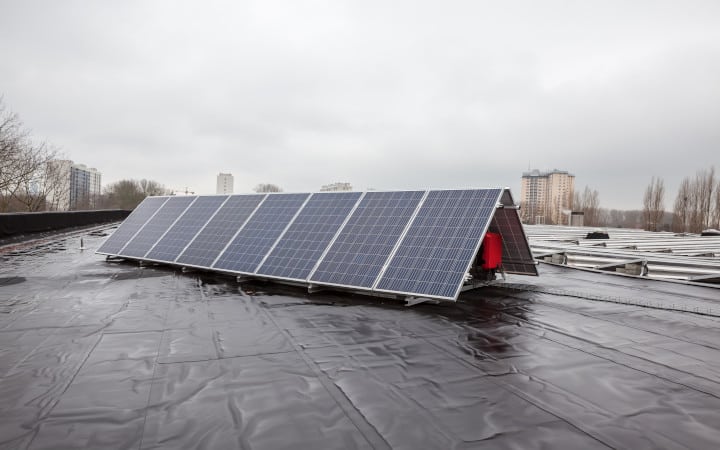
(99,355)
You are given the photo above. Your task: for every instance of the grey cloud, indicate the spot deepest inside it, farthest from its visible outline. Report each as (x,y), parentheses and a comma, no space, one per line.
(384,95)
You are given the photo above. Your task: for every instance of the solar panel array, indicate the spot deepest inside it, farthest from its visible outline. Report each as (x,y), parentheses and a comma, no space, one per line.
(156,227)
(358,254)
(445,234)
(300,248)
(258,236)
(174,241)
(221,227)
(415,243)
(141,214)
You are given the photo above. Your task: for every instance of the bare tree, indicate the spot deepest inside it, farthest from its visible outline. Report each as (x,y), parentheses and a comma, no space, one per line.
(22,162)
(681,209)
(123,194)
(12,141)
(337,186)
(694,216)
(150,188)
(45,190)
(706,188)
(589,203)
(700,194)
(58,188)
(576,204)
(654,204)
(127,194)
(697,204)
(603,217)
(647,205)
(267,187)
(716,208)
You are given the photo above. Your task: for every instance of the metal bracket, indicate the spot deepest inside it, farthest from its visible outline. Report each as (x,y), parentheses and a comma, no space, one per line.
(475,284)
(412,301)
(641,261)
(562,257)
(713,278)
(313,288)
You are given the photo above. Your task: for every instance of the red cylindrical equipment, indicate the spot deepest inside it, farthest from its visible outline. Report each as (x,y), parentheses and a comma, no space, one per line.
(492,251)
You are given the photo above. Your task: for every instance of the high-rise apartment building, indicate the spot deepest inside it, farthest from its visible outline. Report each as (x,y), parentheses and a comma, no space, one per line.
(546,197)
(76,187)
(224,183)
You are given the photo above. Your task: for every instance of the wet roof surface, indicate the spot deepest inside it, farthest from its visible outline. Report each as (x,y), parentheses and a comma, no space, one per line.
(110,355)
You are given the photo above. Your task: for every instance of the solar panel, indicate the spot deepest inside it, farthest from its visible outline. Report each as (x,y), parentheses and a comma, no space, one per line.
(214,237)
(516,257)
(260,233)
(184,230)
(156,227)
(367,239)
(141,214)
(414,243)
(299,249)
(441,243)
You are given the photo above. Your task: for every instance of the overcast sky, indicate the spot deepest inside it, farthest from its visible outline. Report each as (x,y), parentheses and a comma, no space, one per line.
(383,94)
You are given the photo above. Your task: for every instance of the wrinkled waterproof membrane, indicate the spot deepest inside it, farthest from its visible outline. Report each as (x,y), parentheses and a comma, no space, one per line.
(99,355)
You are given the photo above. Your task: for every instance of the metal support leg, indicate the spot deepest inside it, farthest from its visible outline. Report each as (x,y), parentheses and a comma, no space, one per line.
(313,288)
(412,301)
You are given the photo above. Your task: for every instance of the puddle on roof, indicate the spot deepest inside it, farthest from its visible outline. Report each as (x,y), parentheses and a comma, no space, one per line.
(7,281)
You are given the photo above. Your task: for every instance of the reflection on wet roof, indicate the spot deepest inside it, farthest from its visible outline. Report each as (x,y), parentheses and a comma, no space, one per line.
(98,355)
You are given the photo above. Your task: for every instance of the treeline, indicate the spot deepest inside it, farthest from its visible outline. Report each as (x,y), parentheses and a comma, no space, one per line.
(27,180)
(127,194)
(630,218)
(589,203)
(696,207)
(32,178)
(697,204)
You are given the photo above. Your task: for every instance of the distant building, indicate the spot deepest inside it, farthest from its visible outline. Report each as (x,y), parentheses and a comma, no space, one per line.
(546,197)
(224,183)
(77,186)
(577,219)
(339,186)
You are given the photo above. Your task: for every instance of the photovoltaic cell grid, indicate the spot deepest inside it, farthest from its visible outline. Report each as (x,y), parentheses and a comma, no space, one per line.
(131,225)
(187,226)
(156,227)
(285,236)
(259,234)
(297,252)
(437,249)
(208,244)
(517,257)
(362,247)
